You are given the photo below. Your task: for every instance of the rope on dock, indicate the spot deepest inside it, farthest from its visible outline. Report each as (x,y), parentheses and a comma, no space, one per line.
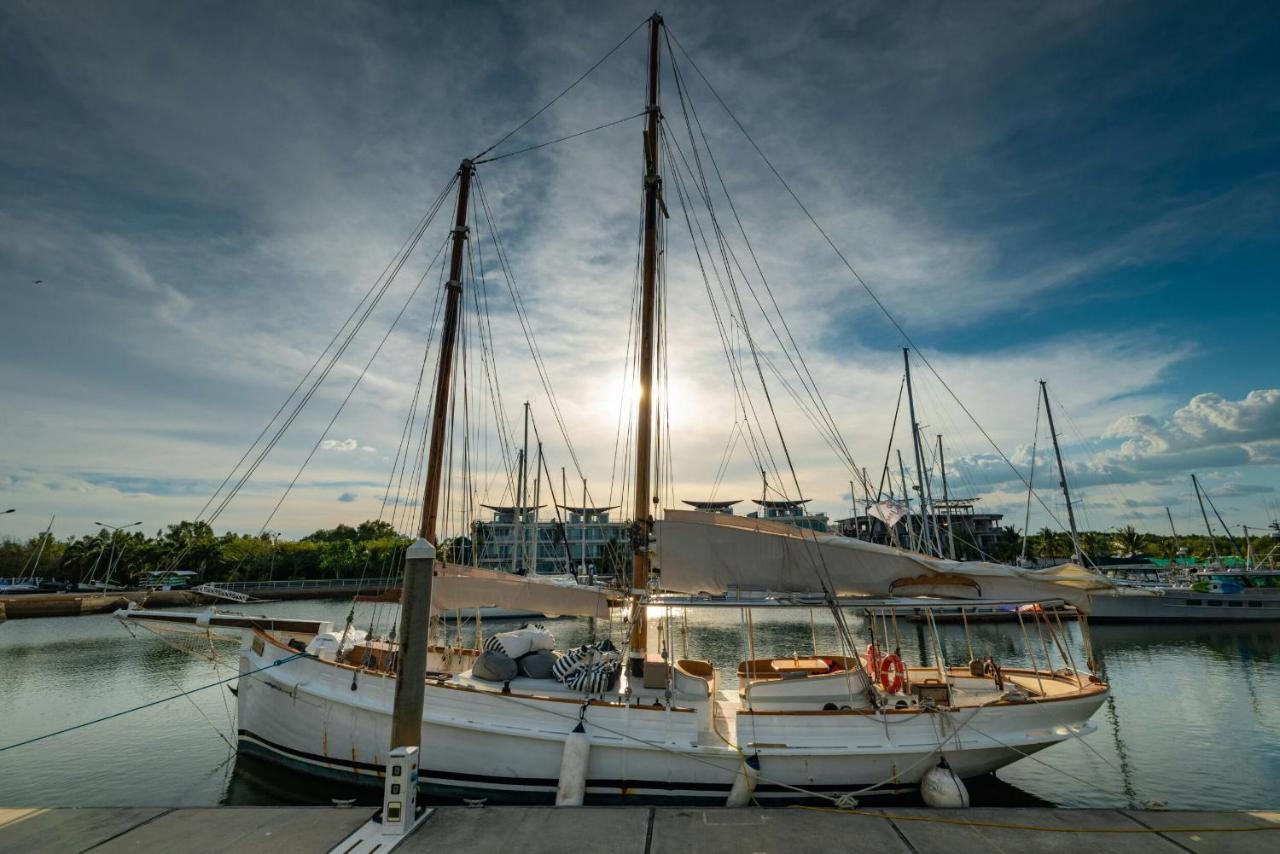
(148,705)
(1001,825)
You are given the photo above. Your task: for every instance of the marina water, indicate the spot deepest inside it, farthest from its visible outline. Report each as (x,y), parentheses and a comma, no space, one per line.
(1193,721)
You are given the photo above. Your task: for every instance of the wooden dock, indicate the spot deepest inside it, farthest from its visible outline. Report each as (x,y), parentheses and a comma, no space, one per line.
(640,830)
(20,606)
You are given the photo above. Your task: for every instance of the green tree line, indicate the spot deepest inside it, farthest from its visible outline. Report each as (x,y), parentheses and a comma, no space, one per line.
(373,549)
(370,548)
(1125,542)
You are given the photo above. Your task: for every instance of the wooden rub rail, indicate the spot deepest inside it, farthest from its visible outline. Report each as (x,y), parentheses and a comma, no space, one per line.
(642,830)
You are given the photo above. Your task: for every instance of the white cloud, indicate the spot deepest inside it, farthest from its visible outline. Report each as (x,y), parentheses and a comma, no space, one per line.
(1208,424)
(347,444)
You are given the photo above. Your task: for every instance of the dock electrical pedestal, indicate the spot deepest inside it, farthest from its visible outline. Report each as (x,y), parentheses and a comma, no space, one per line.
(399,815)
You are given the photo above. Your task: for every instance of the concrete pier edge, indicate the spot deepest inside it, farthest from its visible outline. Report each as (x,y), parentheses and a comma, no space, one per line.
(644,830)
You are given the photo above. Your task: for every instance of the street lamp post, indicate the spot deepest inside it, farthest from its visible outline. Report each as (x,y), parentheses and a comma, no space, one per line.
(115,529)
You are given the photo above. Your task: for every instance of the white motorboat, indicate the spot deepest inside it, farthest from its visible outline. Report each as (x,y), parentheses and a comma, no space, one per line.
(1214,595)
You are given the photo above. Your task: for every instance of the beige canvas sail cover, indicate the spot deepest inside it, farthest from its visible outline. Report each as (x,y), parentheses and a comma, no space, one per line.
(713,553)
(457,588)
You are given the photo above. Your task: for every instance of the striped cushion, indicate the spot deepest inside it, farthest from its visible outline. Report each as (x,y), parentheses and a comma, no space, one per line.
(570,662)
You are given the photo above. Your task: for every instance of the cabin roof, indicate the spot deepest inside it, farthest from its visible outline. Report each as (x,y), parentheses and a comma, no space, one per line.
(712,503)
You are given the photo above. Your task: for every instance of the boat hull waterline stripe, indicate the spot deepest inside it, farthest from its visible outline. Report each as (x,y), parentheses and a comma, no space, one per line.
(264,747)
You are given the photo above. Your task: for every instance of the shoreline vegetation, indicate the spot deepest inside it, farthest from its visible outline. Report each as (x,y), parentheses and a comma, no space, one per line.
(373,549)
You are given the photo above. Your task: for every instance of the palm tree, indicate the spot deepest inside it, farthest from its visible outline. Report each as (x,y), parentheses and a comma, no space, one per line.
(1047,543)
(1129,541)
(1008,544)
(1095,544)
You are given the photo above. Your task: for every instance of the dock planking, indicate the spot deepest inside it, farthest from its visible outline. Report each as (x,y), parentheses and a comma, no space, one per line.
(642,830)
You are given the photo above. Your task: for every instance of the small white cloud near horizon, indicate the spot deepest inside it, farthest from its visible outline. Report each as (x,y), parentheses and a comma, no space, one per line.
(346,445)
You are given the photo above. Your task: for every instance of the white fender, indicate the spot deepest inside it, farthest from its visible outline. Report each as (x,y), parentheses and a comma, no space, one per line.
(744,784)
(573,768)
(942,788)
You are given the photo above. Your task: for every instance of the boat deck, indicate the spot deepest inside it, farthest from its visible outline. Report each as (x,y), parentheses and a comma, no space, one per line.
(641,830)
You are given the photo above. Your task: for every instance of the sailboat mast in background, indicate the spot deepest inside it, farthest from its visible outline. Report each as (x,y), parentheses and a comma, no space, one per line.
(1062,475)
(925,537)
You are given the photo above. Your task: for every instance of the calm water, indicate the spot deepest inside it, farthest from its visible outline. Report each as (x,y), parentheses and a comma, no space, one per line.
(1194,720)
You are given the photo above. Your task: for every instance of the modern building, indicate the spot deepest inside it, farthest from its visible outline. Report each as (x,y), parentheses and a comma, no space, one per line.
(786,512)
(579,539)
(790,513)
(973,531)
(722,507)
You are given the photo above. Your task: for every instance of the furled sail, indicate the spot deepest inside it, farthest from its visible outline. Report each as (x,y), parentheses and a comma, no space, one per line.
(458,587)
(714,553)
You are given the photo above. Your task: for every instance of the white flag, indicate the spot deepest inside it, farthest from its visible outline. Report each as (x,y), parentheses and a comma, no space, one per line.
(889,511)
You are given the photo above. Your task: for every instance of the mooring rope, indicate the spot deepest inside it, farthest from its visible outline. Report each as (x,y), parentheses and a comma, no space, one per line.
(120,714)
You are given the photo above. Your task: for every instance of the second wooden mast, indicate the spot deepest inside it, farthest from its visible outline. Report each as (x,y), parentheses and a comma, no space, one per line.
(642,524)
(415,596)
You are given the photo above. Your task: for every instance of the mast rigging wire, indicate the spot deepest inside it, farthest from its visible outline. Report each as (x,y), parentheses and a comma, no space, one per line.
(359,379)
(1026,521)
(497,157)
(849,266)
(525,326)
(563,92)
(813,553)
(406,247)
(829,428)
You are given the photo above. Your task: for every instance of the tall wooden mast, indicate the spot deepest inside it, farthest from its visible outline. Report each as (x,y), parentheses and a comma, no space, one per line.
(415,597)
(642,524)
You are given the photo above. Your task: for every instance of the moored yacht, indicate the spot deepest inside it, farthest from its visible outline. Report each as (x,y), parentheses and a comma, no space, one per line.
(814,725)
(1213,595)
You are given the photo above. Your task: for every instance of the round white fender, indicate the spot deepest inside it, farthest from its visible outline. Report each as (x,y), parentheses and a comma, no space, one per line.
(942,788)
(744,785)
(573,768)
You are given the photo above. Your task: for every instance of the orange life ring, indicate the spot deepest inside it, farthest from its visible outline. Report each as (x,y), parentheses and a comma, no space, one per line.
(873,661)
(891,662)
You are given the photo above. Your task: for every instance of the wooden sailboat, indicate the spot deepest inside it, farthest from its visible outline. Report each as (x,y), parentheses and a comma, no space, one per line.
(831,724)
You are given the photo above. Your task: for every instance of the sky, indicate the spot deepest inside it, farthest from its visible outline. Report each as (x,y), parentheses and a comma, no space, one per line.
(194,197)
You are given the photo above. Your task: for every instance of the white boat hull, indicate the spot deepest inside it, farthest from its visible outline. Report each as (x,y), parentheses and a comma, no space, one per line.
(480,743)
(1180,605)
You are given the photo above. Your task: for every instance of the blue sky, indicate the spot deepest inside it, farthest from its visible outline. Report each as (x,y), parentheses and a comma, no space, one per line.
(1086,192)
